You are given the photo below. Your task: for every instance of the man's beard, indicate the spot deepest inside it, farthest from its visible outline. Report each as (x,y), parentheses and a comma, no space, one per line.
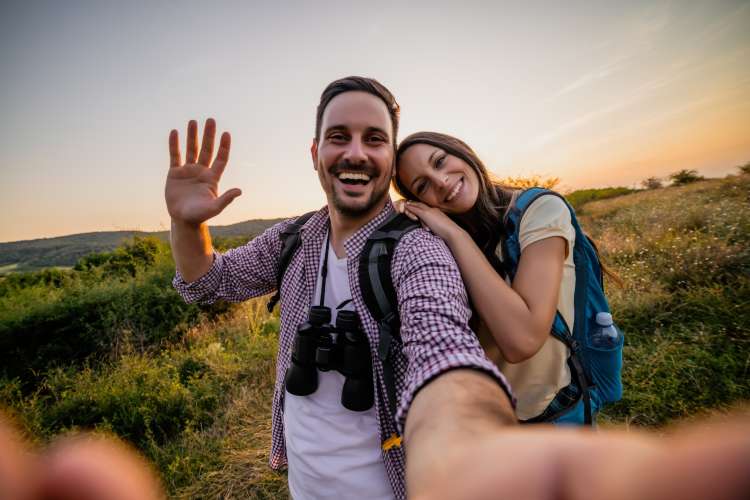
(376,195)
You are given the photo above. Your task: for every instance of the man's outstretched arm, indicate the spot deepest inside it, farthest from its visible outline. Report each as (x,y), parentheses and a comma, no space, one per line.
(450,416)
(460,443)
(191,193)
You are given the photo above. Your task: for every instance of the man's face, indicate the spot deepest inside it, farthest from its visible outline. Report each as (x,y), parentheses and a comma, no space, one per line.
(354,154)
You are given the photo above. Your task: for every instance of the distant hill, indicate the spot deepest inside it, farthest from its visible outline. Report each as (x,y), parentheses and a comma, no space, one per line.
(64,251)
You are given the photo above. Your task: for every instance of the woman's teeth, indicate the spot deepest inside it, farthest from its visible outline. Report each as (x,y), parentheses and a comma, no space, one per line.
(455,190)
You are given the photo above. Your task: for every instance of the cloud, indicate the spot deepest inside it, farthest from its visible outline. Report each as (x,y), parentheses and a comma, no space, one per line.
(673,74)
(640,38)
(591,77)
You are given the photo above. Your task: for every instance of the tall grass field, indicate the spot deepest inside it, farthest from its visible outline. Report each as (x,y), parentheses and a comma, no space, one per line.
(109,346)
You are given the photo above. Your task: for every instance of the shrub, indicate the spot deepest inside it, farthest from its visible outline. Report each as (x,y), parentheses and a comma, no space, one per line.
(652,183)
(530,182)
(126,260)
(102,320)
(138,400)
(684,176)
(46,278)
(114,303)
(224,243)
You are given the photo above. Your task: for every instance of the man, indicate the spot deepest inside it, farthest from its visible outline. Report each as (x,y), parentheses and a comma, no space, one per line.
(333,452)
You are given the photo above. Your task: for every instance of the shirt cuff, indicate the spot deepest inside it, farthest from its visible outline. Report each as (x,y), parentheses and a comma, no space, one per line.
(448,362)
(201,290)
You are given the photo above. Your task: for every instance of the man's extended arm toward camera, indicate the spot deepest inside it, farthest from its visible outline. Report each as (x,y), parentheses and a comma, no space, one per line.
(453,413)
(459,445)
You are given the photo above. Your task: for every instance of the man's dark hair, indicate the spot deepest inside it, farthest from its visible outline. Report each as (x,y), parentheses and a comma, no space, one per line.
(358,84)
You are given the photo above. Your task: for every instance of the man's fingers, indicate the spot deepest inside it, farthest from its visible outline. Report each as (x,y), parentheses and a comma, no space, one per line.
(207,149)
(17,469)
(191,151)
(174,149)
(222,157)
(227,198)
(91,467)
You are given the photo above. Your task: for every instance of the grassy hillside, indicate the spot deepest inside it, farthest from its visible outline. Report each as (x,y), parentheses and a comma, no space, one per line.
(111,347)
(684,255)
(64,251)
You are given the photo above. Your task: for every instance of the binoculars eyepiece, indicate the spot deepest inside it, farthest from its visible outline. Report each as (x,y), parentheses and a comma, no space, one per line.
(320,346)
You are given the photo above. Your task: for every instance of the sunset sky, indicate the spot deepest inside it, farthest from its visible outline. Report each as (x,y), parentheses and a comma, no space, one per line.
(596,93)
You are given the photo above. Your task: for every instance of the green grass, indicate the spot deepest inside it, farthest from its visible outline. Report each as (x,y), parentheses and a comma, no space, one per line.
(684,254)
(192,388)
(199,410)
(582,196)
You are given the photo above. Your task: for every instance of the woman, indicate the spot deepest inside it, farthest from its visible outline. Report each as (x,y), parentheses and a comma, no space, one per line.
(449,190)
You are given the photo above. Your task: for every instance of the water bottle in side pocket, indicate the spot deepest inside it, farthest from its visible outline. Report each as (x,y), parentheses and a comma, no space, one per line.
(606,335)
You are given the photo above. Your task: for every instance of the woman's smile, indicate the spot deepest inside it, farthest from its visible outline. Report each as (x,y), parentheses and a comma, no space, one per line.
(439,179)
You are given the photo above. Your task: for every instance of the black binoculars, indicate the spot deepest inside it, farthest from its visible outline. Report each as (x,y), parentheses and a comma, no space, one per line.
(320,346)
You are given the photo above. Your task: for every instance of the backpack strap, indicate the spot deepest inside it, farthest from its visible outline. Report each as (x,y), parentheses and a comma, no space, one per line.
(379,294)
(512,255)
(290,242)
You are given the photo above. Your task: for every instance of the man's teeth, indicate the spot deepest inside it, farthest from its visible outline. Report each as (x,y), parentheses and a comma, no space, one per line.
(455,191)
(353,176)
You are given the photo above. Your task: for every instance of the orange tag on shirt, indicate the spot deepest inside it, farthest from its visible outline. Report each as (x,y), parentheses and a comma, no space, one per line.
(392,442)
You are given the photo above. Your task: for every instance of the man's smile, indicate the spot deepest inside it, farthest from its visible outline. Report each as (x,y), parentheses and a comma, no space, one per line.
(353,177)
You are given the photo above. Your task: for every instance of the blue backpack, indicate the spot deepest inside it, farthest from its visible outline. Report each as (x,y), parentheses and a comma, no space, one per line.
(595,370)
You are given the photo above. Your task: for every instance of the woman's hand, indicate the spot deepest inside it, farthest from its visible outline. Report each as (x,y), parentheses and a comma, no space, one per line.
(432,219)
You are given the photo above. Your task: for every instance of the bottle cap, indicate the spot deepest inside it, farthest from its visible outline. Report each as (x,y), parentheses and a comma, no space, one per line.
(603,319)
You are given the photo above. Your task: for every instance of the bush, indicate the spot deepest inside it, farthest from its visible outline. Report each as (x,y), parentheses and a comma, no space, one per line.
(102,321)
(685,176)
(47,278)
(745,169)
(652,183)
(138,400)
(114,303)
(126,260)
(530,182)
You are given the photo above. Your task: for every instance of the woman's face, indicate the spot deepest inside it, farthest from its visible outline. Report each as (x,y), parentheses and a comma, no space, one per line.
(438,179)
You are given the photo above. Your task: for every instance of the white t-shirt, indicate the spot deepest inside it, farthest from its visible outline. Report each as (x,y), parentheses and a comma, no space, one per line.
(333,453)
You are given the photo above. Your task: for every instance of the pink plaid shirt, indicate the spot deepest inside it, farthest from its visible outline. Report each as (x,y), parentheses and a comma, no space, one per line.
(432,301)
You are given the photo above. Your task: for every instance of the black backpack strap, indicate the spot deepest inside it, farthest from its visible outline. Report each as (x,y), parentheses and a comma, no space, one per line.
(290,242)
(580,378)
(379,294)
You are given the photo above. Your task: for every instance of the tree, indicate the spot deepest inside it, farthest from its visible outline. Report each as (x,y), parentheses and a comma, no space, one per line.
(685,176)
(652,183)
(744,169)
(529,182)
